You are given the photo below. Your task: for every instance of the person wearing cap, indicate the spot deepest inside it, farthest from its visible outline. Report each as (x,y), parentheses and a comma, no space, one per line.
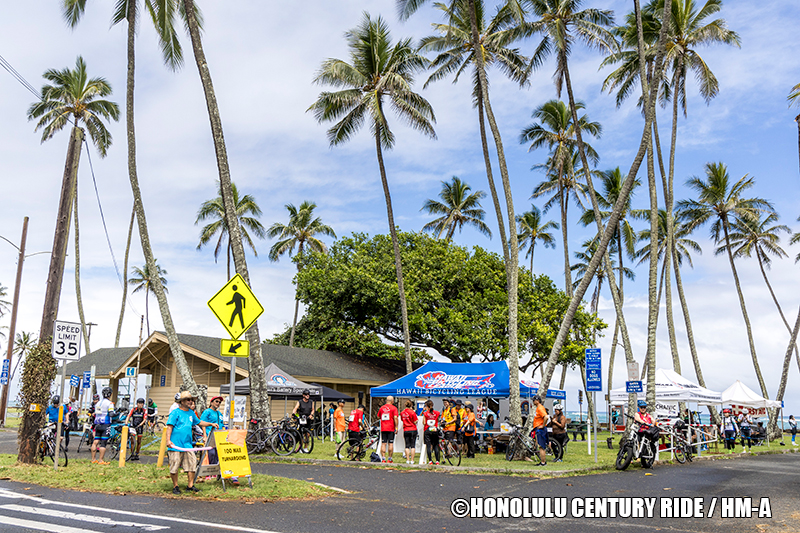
(729,428)
(540,429)
(793,428)
(745,423)
(304,406)
(176,404)
(559,424)
(339,422)
(179,441)
(212,415)
(462,416)
(137,418)
(449,419)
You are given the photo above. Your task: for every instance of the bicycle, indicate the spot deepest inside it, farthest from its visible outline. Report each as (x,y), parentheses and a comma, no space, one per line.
(258,439)
(355,449)
(518,443)
(47,446)
(681,447)
(638,445)
(154,426)
(114,442)
(303,434)
(87,437)
(451,451)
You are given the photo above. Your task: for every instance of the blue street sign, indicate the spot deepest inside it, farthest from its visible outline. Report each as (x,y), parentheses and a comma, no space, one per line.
(6,364)
(130,372)
(74,381)
(3,379)
(87,380)
(163,380)
(594,370)
(633,386)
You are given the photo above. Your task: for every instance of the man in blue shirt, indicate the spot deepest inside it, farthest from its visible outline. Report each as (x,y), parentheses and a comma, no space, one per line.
(179,441)
(52,417)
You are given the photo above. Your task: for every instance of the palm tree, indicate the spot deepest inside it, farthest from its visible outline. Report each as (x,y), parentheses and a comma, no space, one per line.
(531,230)
(761,237)
(378,71)
(5,305)
(582,267)
(144,279)
(510,251)
(71,97)
(457,208)
(23,344)
(214,210)
(723,203)
(794,99)
(300,231)
(556,130)
(794,240)
(163,14)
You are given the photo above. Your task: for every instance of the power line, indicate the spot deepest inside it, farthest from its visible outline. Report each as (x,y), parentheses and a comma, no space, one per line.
(17,76)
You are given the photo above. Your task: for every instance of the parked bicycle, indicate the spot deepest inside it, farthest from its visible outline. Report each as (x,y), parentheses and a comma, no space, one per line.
(527,446)
(87,437)
(114,442)
(300,425)
(274,438)
(47,446)
(355,449)
(640,445)
(451,451)
(681,447)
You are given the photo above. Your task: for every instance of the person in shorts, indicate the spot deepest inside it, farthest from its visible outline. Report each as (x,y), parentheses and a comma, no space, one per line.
(179,441)
(355,422)
(409,418)
(430,422)
(559,424)
(540,428)
(103,413)
(137,418)
(339,422)
(387,414)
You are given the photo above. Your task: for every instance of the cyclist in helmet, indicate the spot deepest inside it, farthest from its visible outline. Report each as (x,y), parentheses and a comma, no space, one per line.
(729,428)
(137,418)
(642,416)
(304,406)
(103,413)
(175,404)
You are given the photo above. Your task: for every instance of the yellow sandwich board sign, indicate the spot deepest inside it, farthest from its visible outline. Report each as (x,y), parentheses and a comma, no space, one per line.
(233,458)
(234,348)
(236,306)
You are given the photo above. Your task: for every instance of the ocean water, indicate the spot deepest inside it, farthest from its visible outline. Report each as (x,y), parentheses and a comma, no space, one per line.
(705,418)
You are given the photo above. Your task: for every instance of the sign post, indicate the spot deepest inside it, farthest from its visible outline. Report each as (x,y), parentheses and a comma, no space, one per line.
(237,308)
(594,383)
(67,338)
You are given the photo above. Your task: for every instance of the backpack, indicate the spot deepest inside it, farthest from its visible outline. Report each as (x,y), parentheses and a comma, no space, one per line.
(374,458)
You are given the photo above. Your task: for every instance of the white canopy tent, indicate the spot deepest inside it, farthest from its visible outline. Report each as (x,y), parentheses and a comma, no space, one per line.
(740,395)
(672,387)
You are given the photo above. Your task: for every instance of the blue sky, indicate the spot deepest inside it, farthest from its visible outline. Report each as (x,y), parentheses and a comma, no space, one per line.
(263,58)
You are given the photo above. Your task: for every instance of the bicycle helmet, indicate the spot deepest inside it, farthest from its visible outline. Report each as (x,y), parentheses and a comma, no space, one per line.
(306,391)
(56,399)
(96,397)
(140,400)
(177,396)
(641,403)
(107,392)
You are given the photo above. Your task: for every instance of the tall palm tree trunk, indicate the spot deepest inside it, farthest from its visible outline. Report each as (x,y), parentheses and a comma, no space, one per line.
(533,245)
(125,278)
(398,265)
(512,263)
(771,426)
(744,313)
(778,305)
(78,296)
(563,206)
(297,300)
(138,206)
(259,398)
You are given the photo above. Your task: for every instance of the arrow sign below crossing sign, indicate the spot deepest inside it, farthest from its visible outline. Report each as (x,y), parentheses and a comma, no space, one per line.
(234,348)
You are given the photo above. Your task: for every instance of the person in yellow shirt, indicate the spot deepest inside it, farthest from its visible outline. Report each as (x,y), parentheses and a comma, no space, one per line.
(339,422)
(449,415)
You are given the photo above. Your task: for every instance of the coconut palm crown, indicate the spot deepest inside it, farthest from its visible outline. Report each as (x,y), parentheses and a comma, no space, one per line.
(457,208)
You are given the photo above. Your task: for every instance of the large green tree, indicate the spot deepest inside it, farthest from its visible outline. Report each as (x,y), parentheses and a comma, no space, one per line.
(301,231)
(247,213)
(457,299)
(458,207)
(378,71)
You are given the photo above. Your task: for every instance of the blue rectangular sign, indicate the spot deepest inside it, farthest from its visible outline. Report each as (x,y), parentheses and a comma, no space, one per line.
(633,386)
(163,380)
(74,381)
(594,370)
(6,364)
(87,380)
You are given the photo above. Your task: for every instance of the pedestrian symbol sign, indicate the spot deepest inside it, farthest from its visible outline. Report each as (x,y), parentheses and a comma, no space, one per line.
(234,348)
(236,306)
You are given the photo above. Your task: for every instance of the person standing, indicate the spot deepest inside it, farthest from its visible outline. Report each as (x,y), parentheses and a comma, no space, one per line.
(745,422)
(304,406)
(355,422)
(388,417)
(410,434)
(175,404)
(469,430)
(213,416)
(449,420)
(179,441)
(339,422)
(540,428)
(430,422)
(103,413)
(137,418)
(152,411)
(559,424)
(729,428)
(793,428)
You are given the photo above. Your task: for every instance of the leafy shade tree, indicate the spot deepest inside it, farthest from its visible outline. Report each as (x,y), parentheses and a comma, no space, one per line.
(247,213)
(457,208)
(163,14)
(301,231)
(721,202)
(479,45)
(378,71)
(457,299)
(532,229)
(555,129)
(143,279)
(760,236)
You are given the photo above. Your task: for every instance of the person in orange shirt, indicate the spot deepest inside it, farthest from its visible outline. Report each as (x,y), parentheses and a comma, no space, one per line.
(540,428)
(469,431)
(339,422)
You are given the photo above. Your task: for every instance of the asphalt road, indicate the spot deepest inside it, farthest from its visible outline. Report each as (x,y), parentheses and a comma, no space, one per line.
(388,499)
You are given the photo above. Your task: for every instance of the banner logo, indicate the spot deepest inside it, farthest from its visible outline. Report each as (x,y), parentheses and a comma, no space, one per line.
(280,379)
(441,380)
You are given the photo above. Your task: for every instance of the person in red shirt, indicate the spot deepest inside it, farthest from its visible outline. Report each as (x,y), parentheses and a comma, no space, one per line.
(430,421)
(388,417)
(409,418)
(354,422)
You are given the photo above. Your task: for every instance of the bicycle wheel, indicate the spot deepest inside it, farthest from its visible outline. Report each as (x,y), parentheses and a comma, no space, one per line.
(554,450)
(254,442)
(452,453)
(648,455)
(307,441)
(63,460)
(688,451)
(84,440)
(158,428)
(282,443)
(350,450)
(680,456)
(624,456)
(511,449)
(112,446)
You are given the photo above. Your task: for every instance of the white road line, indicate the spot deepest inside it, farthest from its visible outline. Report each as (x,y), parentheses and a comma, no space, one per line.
(337,489)
(4,493)
(81,517)
(41,526)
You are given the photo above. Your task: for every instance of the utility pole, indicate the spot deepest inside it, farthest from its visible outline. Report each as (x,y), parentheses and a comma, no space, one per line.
(12,327)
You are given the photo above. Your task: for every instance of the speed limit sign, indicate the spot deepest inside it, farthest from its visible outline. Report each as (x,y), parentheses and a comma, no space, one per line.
(67,340)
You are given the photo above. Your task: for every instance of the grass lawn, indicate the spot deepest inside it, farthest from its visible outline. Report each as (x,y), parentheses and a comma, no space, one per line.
(576,458)
(137,478)
(13,417)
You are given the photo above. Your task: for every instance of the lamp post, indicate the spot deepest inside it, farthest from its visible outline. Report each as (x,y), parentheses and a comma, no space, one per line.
(14,308)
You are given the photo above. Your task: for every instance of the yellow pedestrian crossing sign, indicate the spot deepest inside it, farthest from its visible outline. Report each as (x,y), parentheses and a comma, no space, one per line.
(234,348)
(236,306)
